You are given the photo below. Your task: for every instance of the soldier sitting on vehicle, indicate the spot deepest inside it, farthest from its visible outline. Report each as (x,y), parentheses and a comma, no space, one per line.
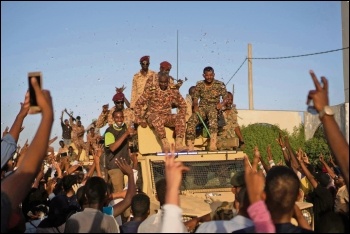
(229,135)
(159,102)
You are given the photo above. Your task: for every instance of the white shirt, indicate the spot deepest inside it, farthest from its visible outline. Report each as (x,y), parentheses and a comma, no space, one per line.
(172,220)
(225,226)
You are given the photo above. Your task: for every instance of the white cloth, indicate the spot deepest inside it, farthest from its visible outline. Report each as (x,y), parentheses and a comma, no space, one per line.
(172,220)
(225,226)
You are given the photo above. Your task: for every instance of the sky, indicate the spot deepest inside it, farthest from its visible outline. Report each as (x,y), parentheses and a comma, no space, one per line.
(86,49)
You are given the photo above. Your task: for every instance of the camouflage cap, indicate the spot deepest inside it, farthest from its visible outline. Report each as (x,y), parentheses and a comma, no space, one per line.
(237,180)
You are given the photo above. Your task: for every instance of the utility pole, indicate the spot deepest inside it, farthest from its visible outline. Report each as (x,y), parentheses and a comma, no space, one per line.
(177,55)
(250,77)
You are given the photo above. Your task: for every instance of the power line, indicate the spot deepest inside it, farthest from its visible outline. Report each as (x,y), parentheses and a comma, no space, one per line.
(236,71)
(302,55)
(285,57)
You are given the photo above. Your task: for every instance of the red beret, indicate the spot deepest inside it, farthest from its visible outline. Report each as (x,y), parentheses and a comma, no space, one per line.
(144,58)
(165,65)
(118,97)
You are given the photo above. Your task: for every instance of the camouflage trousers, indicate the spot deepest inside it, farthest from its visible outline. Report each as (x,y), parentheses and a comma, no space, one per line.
(224,143)
(159,122)
(209,112)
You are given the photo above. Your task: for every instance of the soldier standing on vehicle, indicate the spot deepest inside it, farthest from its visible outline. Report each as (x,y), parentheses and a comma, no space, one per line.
(208,93)
(139,80)
(159,102)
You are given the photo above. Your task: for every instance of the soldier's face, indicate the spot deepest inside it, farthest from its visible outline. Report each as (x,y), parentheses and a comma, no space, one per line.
(163,83)
(209,77)
(229,100)
(144,64)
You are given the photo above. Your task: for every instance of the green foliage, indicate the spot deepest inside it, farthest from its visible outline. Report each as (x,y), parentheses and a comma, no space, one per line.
(263,134)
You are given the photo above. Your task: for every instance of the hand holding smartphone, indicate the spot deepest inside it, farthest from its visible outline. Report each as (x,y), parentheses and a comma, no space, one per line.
(34,108)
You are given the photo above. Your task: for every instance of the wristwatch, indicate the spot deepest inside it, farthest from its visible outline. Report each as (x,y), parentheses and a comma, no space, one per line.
(326,111)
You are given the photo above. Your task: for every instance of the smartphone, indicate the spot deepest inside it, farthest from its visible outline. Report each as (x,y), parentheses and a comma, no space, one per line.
(34,108)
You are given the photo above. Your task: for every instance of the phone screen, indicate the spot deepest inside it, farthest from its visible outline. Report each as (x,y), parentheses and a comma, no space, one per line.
(32,95)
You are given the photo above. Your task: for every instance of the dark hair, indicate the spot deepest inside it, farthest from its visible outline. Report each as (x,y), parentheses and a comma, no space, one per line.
(68,181)
(160,190)
(282,189)
(95,190)
(208,69)
(140,205)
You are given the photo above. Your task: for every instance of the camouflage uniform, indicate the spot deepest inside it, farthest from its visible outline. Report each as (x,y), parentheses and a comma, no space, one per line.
(189,102)
(107,117)
(92,141)
(78,140)
(159,114)
(227,138)
(138,85)
(209,97)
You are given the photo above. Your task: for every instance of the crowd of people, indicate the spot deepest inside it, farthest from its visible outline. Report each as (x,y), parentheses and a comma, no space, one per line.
(53,193)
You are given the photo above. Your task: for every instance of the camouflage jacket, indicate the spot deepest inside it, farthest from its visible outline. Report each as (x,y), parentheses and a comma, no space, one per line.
(209,95)
(160,102)
(138,85)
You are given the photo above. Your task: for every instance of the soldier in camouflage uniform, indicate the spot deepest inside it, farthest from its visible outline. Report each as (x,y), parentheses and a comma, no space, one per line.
(208,92)
(139,80)
(230,135)
(106,115)
(159,101)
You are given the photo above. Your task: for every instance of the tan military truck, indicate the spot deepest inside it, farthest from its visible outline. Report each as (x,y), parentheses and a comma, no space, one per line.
(205,187)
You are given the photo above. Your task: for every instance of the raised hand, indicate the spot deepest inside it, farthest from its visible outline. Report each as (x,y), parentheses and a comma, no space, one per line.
(123,166)
(320,95)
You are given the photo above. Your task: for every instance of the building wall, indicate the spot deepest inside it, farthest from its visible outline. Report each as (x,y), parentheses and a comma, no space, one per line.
(312,122)
(284,119)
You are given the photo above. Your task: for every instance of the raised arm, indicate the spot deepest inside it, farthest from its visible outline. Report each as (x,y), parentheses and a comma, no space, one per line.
(335,138)
(126,202)
(32,160)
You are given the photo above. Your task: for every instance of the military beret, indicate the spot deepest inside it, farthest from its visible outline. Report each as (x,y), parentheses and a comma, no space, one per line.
(237,180)
(144,58)
(118,97)
(165,64)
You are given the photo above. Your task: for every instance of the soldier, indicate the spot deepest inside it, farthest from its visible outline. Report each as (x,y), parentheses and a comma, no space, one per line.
(229,136)
(189,102)
(139,80)
(106,115)
(208,92)
(159,102)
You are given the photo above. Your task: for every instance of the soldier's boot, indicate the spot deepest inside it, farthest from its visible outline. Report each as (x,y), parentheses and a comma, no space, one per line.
(213,139)
(190,145)
(165,145)
(179,145)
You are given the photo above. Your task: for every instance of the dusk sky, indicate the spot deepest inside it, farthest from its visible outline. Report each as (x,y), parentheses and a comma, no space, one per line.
(86,49)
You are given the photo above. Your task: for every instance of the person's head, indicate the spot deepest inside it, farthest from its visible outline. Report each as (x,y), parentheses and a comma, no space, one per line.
(118,100)
(191,90)
(229,99)
(144,62)
(237,182)
(165,67)
(160,190)
(78,118)
(281,190)
(68,181)
(66,122)
(323,179)
(94,121)
(208,74)
(79,123)
(61,143)
(70,149)
(339,181)
(92,130)
(140,205)
(96,190)
(118,117)
(163,80)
